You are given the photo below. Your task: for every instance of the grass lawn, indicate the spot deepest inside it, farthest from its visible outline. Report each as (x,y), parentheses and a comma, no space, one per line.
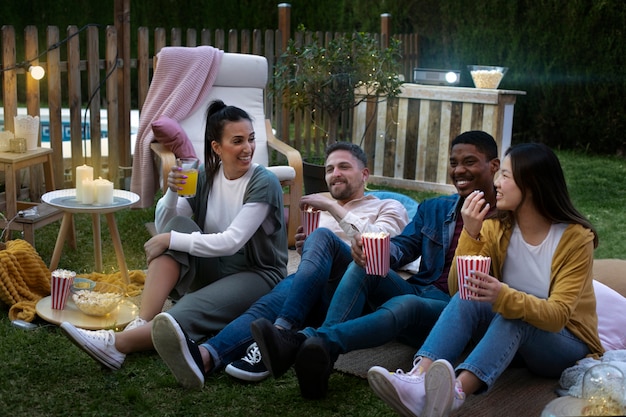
(43,374)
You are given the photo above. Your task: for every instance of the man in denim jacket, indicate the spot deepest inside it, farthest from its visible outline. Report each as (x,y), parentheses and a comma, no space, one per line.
(404,309)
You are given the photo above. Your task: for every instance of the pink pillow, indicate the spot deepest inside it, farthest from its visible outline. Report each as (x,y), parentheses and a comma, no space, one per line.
(610,307)
(169,132)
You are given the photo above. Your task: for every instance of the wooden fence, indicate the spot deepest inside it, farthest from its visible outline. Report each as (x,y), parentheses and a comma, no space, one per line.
(90,79)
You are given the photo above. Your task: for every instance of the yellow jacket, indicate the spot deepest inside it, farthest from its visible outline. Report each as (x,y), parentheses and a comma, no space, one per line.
(571,303)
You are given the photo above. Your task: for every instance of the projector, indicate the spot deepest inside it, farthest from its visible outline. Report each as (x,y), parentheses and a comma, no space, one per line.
(436,76)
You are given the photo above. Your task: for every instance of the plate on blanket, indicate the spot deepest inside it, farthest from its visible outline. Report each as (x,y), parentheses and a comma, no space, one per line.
(66,200)
(564,407)
(118,318)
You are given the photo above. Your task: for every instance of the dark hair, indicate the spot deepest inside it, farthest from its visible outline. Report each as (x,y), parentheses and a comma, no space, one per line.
(217,115)
(537,171)
(354,149)
(483,141)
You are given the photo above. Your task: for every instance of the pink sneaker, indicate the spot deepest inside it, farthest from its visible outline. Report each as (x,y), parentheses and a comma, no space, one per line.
(443,391)
(404,392)
(459,396)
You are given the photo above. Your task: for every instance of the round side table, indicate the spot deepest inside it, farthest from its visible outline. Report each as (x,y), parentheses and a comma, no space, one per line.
(66,201)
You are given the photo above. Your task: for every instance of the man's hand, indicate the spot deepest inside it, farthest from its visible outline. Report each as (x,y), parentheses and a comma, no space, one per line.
(317,201)
(156,246)
(474,211)
(300,238)
(322,202)
(356,249)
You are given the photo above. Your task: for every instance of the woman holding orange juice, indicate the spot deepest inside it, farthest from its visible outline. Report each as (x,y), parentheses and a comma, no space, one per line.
(215,252)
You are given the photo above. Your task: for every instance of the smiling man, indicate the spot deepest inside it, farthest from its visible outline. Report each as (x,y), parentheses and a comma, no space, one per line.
(406,309)
(302,298)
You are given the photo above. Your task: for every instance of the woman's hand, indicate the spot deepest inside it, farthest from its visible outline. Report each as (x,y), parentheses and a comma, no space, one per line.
(356,249)
(482,287)
(175,178)
(156,246)
(474,211)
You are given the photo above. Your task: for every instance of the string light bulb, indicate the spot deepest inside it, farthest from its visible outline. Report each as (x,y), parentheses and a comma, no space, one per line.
(36,71)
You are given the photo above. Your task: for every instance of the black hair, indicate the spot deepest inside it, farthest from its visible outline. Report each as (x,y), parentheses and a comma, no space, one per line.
(483,141)
(537,171)
(217,115)
(354,149)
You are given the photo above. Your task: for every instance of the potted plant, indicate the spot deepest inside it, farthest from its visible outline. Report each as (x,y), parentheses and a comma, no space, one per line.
(311,75)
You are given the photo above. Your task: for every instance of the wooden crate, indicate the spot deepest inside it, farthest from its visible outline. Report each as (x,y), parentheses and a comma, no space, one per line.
(407,139)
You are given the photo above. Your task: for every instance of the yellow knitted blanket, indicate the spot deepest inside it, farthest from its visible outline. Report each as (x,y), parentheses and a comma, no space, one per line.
(25,279)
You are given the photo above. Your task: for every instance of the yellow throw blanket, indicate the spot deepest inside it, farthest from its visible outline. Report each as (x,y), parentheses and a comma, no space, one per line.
(25,279)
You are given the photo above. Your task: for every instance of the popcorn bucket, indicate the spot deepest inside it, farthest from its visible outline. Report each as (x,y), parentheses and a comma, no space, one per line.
(310,220)
(60,284)
(466,264)
(376,250)
(27,127)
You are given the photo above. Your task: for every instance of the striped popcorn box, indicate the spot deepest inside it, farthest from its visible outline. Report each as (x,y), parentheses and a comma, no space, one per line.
(376,250)
(60,283)
(464,266)
(310,220)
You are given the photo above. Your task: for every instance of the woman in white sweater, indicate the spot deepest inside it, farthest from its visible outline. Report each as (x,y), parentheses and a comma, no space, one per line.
(215,253)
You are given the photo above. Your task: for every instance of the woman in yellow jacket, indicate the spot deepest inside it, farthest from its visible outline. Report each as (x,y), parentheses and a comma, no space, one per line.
(538,305)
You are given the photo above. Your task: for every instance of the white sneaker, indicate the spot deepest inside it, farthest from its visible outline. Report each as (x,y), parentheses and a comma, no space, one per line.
(443,391)
(136,322)
(99,344)
(404,392)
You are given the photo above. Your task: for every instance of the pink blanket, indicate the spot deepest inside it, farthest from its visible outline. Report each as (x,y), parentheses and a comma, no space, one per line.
(181,81)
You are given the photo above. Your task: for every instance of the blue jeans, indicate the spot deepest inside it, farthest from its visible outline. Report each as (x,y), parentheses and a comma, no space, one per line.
(400,309)
(325,258)
(232,341)
(301,298)
(499,339)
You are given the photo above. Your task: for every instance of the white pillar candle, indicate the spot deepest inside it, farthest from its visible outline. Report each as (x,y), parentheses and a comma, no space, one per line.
(88,192)
(83,172)
(104,191)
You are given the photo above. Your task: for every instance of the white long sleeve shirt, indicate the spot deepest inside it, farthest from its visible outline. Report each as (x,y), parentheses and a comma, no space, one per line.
(229,223)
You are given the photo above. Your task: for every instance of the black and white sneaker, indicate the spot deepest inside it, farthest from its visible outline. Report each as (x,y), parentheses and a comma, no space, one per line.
(249,368)
(178,351)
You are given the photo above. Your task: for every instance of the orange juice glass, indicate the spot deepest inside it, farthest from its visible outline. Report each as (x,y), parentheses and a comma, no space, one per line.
(190,169)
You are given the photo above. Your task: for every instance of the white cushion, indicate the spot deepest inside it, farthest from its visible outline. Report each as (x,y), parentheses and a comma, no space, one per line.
(240,82)
(283,172)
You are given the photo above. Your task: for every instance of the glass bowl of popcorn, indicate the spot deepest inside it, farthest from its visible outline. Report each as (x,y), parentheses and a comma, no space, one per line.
(101,300)
(485,76)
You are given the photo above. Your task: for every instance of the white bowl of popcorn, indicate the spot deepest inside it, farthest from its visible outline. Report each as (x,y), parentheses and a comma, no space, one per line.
(486,76)
(101,300)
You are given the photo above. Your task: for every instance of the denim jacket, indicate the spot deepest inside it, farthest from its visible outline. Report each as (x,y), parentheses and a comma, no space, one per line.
(428,235)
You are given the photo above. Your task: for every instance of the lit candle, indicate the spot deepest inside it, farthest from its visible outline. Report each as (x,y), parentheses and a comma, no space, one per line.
(88,192)
(83,172)
(104,191)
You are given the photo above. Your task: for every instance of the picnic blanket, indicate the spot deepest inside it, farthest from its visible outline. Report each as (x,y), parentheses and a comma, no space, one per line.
(24,279)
